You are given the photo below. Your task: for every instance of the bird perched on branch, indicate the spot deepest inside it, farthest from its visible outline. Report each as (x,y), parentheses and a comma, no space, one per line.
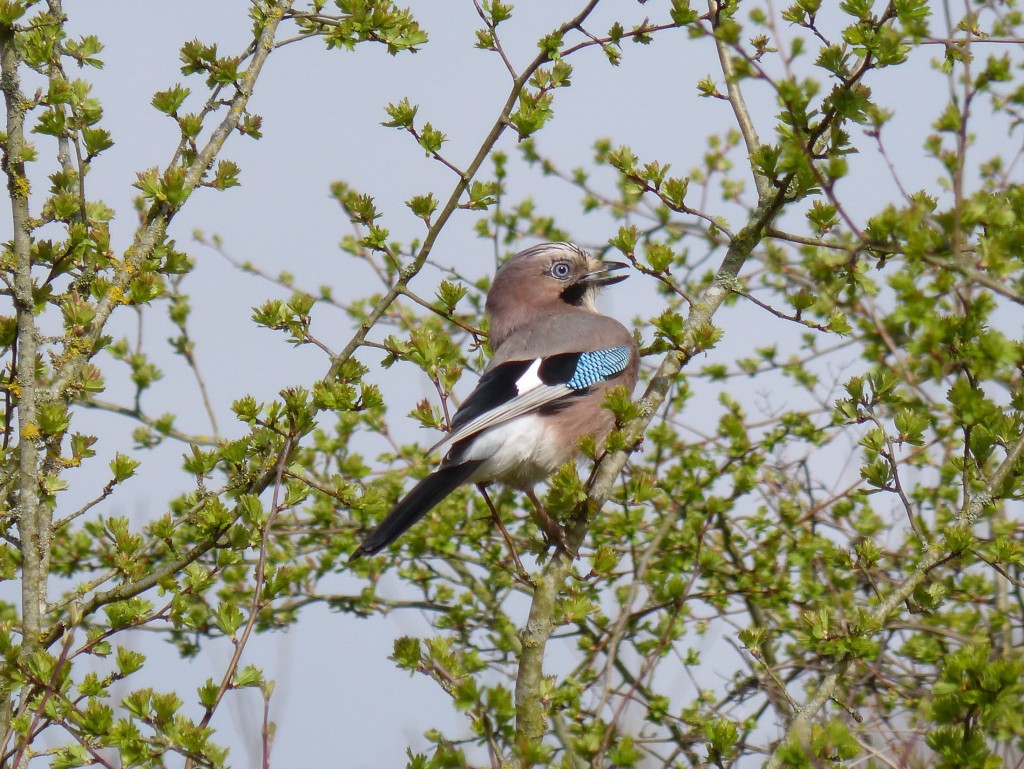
(555,359)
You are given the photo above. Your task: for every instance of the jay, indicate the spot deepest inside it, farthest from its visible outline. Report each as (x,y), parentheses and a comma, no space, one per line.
(555,359)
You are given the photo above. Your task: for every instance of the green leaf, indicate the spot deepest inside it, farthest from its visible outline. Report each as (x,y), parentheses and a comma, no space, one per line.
(54,417)
(402,114)
(250,675)
(128,661)
(626,239)
(838,323)
(407,653)
(170,101)
(423,206)
(722,736)
(682,14)
(226,175)
(11,11)
(228,618)
(96,140)
(659,257)
(449,294)
(123,467)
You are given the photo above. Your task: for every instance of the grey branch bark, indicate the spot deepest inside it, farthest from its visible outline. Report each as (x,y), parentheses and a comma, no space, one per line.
(33,517)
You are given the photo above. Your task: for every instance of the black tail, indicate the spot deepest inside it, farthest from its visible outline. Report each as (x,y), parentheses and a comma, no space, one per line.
(423,497)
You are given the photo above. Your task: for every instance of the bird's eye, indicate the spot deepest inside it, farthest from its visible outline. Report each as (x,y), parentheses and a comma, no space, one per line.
(561,270)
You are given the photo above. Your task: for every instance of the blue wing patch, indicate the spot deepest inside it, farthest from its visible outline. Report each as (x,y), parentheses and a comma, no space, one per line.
(596,366)
(580,370)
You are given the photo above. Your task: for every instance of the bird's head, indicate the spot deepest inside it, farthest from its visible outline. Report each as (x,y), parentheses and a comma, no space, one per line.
(549,273)
(543,279)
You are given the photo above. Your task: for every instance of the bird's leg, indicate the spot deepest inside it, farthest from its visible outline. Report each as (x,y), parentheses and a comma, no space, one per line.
(501,527)
(551,528)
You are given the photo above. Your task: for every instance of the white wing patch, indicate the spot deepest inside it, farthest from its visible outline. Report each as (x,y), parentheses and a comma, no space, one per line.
(530,379)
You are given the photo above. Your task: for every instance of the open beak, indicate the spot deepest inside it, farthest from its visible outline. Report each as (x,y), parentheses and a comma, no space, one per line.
(601,274)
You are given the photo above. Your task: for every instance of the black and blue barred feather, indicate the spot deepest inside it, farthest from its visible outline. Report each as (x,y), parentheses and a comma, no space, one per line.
(594,367)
